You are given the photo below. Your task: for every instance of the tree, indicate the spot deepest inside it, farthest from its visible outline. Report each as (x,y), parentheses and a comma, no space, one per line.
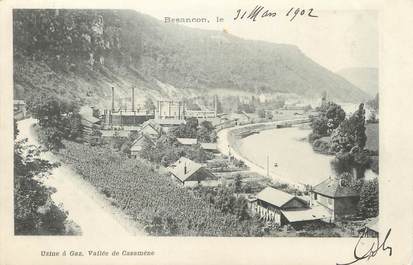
(34,212)
(342,163)
(206,132)
(149,105)
(237,183)
(369,199)
(241,208)
(359,120)
(58,119)
(73,128)
(331,115)
(319,126)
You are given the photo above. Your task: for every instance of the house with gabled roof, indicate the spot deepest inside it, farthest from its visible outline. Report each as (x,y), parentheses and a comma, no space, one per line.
(340,196)
(150,129)
(282,208)
(189,173)
(89,124)
(210,147)
(138,145)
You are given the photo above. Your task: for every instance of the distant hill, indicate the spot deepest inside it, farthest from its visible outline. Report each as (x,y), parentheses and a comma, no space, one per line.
(81,53)
(367,79)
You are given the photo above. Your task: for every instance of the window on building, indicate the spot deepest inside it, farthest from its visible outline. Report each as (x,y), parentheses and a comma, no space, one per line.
(315,196)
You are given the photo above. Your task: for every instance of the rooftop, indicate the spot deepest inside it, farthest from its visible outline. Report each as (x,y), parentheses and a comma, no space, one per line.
(86,113)
(331,187)
(187,141)
(184,168)
(274,196)
(209,146)
(315,213)
(142,137)
(169,121)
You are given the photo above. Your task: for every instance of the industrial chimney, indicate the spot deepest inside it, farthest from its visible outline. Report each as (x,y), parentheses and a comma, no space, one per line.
(133,98)
(113,98)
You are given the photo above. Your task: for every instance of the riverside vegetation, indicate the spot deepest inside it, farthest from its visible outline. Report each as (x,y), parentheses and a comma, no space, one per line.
(346,138)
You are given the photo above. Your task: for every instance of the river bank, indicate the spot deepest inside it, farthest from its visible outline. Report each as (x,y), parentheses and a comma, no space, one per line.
(229,144)
(284,155)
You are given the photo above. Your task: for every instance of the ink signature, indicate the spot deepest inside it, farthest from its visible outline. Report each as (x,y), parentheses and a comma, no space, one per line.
(374,249)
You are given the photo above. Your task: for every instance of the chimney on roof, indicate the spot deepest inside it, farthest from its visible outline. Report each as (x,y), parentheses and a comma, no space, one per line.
(113,98)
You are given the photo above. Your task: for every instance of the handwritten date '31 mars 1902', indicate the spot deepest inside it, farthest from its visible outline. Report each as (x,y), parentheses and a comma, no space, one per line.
(262,12)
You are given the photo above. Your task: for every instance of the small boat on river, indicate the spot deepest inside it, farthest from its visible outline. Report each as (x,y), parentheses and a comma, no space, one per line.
(248,133)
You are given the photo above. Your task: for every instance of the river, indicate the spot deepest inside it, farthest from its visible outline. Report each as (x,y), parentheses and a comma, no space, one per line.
(289,149)
(290,156)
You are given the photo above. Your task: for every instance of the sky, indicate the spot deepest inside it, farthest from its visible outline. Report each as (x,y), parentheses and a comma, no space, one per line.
(336,39)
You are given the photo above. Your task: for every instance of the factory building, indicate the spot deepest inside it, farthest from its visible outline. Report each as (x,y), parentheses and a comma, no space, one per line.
(168,113)
(126,119)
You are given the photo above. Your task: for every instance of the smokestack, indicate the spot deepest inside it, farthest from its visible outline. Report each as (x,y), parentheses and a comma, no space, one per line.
(133,98)
(113,98)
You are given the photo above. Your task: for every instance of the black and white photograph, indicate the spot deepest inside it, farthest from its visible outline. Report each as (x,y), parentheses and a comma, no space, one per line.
(127,124)
(205,132)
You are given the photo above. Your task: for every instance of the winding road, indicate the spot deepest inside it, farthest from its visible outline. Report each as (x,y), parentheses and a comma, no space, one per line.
(85,205)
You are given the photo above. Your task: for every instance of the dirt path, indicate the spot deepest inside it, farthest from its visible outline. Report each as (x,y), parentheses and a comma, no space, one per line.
(86,207)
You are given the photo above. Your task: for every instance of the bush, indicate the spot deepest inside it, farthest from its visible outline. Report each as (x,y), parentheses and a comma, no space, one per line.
(313,136)
(321,146)
(34,211)
(369,199)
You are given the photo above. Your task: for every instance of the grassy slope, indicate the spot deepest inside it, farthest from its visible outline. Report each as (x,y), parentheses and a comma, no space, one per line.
(143,50)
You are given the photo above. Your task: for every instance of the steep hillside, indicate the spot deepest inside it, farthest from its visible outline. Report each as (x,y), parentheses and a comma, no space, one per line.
(82,53)
(366,78)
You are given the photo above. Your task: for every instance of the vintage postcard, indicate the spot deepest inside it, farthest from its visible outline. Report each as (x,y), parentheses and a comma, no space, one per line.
(205,132)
